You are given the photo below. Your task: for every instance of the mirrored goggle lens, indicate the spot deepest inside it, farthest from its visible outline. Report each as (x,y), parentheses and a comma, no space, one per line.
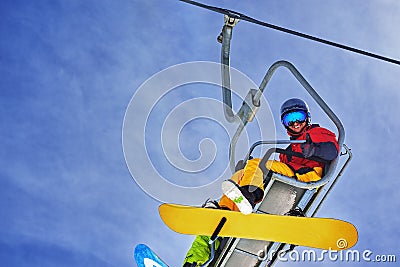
(296,116)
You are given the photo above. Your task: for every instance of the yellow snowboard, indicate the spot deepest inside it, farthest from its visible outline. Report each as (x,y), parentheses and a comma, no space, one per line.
(322,233)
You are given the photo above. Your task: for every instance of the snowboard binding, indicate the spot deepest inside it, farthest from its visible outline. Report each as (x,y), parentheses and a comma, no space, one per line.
(298,212)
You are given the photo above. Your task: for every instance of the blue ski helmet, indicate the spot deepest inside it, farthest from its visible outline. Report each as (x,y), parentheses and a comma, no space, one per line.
(295,104)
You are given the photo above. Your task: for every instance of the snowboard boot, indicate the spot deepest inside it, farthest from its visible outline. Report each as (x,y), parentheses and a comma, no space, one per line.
(298,212)
(211,204)
(243,198)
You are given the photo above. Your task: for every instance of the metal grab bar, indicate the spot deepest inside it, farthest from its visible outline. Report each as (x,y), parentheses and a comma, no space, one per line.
(290,180)
(308,88)
(271,142)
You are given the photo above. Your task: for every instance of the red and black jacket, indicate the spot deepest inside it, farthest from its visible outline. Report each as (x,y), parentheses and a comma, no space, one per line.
(327,149)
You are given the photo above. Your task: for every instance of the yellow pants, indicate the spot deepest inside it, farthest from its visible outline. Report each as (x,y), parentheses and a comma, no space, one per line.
(252,175)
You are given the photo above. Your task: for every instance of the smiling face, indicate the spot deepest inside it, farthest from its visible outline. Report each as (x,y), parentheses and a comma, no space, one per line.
(297,127)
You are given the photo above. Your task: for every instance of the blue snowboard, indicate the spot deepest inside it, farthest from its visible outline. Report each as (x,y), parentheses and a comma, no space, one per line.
(145,257)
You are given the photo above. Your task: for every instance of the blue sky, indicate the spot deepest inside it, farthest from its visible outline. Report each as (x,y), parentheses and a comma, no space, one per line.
(69,69)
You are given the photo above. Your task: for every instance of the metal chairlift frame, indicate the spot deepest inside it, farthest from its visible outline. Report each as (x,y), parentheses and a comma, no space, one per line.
(309,196)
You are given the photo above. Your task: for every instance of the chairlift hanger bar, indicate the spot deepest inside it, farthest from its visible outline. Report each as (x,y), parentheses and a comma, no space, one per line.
(240,16)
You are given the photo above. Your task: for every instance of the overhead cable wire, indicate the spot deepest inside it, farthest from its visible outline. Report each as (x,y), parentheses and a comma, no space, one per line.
(240,16)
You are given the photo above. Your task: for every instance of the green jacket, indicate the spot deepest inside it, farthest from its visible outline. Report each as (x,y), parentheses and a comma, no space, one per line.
(200,250)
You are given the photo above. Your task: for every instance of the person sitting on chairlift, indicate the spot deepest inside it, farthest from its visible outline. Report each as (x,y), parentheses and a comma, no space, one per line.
(246,187)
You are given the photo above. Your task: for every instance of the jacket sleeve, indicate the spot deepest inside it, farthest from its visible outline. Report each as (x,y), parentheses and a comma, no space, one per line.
(326,145)
(326,150)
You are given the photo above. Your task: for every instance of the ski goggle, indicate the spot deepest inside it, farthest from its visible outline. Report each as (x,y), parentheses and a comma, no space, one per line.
(290,118)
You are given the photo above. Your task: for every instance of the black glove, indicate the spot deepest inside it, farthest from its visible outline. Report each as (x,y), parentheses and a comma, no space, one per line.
(308,148)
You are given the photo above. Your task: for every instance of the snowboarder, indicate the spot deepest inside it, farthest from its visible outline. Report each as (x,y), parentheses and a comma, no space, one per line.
(245,188)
